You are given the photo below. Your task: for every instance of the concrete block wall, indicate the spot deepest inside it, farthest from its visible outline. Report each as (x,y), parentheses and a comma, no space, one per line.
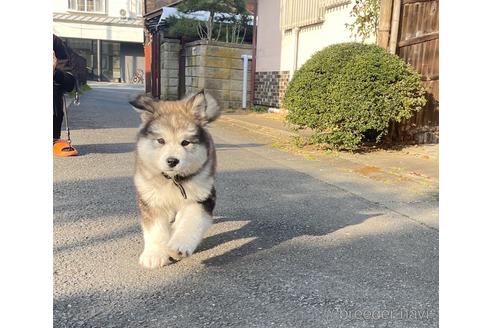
(218,68)
(170,69)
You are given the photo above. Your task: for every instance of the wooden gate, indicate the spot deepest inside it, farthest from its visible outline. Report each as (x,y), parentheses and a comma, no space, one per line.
(417,43)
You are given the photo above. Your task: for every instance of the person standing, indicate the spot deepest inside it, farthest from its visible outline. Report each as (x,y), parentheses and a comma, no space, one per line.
(63,81)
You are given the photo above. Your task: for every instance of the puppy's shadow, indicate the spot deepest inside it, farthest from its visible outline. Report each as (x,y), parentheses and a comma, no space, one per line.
(279,205)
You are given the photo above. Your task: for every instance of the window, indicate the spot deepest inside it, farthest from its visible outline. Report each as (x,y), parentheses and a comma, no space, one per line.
(88,50)
(90,6)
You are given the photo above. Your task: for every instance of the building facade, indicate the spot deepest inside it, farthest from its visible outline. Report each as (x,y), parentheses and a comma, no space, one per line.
(289,33)
(270,79)
(108,34)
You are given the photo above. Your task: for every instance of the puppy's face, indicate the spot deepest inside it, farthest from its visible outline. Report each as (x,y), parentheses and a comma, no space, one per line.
(172,138)
(172,144)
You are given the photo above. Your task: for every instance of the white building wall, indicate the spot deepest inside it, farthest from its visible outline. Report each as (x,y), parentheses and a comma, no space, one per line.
(269,42)
(60,6)
(130,6)
(113,7)
(99,31)
(287,53)
(316,37)
(311,39)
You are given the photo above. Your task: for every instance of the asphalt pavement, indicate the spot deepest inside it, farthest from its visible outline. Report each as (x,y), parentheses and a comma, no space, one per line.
(294,243)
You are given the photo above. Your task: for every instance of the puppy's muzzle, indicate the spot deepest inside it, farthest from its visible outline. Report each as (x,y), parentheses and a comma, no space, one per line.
(172,162)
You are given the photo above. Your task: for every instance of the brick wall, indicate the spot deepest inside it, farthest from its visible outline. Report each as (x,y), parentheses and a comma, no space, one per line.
(284,80)
(270,88)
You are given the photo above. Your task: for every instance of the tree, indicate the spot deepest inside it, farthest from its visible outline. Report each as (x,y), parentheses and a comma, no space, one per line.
(366,18)
(185,27)
(213,7)
(236,27)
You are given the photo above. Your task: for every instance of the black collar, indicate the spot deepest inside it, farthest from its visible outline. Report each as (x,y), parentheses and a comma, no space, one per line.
(179,179)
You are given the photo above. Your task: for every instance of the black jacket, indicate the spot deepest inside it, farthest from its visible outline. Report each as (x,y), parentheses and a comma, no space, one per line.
(63,80)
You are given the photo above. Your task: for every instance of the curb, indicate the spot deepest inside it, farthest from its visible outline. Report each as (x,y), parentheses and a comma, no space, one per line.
(358,167)
(260,129)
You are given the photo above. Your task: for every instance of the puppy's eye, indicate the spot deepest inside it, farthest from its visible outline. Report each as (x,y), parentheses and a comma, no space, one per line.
(185,143)
(161,141)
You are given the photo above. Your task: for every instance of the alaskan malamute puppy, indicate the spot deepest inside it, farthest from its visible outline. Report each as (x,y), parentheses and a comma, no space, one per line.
(174,176)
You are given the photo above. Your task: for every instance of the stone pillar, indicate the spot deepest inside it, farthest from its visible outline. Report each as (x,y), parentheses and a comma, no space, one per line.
(170,69)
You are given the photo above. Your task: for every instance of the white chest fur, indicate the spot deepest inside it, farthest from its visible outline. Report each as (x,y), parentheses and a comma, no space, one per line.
(159,192)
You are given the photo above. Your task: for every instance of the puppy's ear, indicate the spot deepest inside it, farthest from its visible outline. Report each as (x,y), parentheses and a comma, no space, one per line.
(203,106)
(144,105)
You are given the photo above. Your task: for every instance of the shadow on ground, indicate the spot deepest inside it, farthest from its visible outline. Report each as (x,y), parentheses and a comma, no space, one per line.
(281,277)
(120,148)
(104,109)
(300,285)
(108,148)
(278,206)
(221,147)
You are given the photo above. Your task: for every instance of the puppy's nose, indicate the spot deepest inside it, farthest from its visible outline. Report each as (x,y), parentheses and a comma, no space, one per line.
(172,162)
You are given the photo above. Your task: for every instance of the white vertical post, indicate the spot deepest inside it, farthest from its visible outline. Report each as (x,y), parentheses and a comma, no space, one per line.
(245,78)
(99,70)
(295,49)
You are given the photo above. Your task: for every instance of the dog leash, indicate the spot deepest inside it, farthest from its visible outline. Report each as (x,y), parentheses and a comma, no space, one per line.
(76,102)
(177,184)
(183,192)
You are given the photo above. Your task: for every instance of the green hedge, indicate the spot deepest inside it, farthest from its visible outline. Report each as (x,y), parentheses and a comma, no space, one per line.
(349,90)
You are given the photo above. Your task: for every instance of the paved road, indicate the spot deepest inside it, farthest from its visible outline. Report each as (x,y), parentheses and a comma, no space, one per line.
(294,243)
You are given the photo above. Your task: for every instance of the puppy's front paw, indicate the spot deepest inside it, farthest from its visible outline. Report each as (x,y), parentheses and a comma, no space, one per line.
(181,247)
(154,259)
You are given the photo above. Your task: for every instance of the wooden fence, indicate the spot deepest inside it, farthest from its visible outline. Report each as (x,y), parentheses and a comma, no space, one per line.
(417,42)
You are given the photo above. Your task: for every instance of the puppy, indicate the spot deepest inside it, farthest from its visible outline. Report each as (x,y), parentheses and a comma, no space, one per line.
(174,175)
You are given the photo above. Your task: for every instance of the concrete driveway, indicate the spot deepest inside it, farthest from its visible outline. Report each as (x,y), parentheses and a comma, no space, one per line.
(294,244)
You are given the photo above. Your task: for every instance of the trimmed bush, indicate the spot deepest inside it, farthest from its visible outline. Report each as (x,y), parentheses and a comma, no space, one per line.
(350,90)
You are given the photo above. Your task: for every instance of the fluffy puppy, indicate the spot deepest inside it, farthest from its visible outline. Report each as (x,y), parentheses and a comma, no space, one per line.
(174,175)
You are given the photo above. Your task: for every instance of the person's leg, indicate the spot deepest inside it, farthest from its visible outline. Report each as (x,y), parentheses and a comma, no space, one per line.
(57,113)
(57,124)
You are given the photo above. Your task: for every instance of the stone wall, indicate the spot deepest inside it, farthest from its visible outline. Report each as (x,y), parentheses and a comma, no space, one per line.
(270,88)
(170,69)
(218,68)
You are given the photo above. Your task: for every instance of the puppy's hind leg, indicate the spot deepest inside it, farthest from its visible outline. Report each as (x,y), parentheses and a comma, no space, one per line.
(156,236)
(192,222)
